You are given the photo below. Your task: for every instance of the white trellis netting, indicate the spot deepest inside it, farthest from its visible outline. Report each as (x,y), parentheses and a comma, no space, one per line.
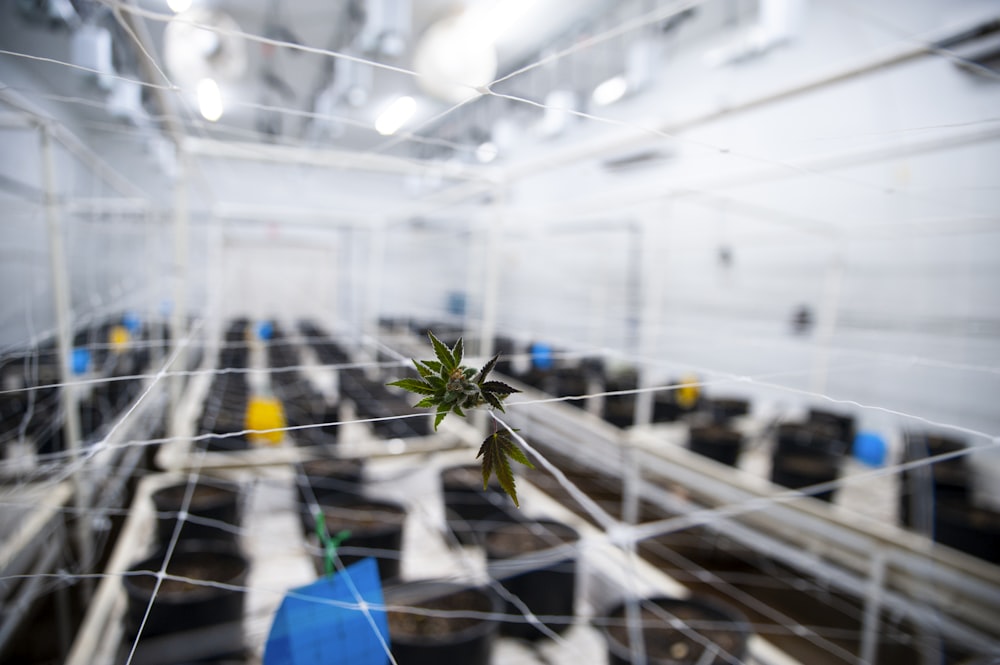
(854,177)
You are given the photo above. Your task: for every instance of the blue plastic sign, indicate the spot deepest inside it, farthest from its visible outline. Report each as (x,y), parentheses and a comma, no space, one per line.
(308,629)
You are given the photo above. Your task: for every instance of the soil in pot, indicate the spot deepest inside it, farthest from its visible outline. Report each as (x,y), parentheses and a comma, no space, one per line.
(214,500)
(717,442)
(191,620)
(708,624)
(376,530)
(471,511)
(546,584)
(422,639)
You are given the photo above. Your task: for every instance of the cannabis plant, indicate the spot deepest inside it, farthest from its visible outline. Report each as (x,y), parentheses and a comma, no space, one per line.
(449,387)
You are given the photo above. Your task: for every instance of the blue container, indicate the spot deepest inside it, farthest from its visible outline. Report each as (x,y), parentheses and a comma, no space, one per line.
(80,360)
(541,356)
(869,448)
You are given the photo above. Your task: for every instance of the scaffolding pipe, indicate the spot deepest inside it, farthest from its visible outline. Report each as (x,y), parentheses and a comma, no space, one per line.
(873,606)
(180,274)
(491,284)
(64,339)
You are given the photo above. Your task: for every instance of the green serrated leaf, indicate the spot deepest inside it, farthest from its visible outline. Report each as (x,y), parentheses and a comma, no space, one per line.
(436,382)
(457,410)
(487,368)
(470,372)
(458,351)
(515,453)
(494,454)
(493,401)
(414,386)
(442,352)
(432,365)
(425,403)
(499,387)
(422,369)
(501,468)
(441,413)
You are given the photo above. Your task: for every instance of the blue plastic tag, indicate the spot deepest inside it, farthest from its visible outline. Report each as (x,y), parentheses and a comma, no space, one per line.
(80,360)
(308,630)
(541,356)
(870,448)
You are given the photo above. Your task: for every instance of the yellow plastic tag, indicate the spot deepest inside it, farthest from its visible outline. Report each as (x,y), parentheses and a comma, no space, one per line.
(687,394)
(119,338)
(265,413)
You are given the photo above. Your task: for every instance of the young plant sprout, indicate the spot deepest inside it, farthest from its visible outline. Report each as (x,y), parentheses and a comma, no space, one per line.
(450,387)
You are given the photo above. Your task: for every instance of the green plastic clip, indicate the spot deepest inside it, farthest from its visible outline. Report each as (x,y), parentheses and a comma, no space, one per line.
(329,543)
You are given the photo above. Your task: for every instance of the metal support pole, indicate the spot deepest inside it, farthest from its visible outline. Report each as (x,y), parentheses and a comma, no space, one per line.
(70,399)
(873,607)
(178,317)
(376,267)
(827,322)
(491,283)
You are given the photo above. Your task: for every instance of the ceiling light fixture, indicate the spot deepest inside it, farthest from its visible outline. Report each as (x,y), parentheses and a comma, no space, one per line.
(209,100)
(395,115)
(486,152)
(610,91)
(179,6)
(491,21)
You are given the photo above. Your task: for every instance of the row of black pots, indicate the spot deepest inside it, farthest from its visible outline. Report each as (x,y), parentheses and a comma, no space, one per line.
(938,497)
(304,406)
(808,454)
(197,611)
(224,412)
(373,400)
(804,454)
(445,623)
(674,631)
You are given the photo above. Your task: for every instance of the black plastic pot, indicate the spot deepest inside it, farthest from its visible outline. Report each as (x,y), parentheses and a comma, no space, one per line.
(328,477)
(799,471)
(545,581)
(571,382)
(707,624)
(717,442)
(843,423)
(470,511)
(216,500)
(923,487)
(376,531)
(721,410)
(810,439)
(188,621)
(421,639)
(971,529)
